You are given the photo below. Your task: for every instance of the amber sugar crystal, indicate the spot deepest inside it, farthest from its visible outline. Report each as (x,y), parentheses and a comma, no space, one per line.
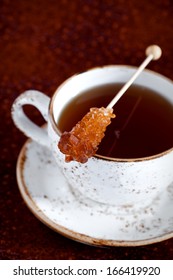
(83,140)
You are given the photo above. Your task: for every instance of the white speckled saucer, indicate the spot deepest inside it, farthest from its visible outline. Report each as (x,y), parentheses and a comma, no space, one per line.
(47,194)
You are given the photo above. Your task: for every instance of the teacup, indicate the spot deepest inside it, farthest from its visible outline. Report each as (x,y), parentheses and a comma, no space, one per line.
(117,183)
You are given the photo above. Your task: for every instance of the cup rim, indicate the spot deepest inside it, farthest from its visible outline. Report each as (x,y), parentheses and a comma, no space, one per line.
(57,130)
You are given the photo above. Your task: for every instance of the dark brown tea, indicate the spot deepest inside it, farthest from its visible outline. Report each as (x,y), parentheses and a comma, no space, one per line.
(142,127)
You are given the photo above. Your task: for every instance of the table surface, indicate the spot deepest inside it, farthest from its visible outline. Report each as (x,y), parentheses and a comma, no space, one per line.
(42,44)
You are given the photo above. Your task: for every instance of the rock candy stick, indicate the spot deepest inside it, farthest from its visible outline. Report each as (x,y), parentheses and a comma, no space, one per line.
(83,140)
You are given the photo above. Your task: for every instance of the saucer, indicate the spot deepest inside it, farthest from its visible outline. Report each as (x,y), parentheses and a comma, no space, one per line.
(49,197)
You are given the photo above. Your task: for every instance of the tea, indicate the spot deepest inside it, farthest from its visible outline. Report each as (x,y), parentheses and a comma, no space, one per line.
(142,127)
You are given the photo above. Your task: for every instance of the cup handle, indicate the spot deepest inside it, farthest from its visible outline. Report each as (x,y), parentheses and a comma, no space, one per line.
(28,127)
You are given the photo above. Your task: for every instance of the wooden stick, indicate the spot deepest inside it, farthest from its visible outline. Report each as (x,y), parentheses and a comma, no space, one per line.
(153,52)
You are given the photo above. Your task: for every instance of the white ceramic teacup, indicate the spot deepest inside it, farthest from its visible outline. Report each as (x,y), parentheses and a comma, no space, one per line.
(116,183)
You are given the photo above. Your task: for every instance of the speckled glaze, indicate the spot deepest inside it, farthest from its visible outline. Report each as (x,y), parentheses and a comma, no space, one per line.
(119,184)
(47,194)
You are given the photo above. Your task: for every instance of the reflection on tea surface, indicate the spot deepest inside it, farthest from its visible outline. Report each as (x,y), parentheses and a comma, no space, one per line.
(142,127)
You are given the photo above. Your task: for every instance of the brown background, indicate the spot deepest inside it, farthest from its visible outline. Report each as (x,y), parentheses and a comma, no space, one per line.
(41,44)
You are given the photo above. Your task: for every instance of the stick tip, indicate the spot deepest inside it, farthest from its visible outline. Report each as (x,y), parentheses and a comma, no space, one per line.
(155,51)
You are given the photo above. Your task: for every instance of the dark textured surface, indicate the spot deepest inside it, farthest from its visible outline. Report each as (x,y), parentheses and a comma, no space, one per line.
(43,43)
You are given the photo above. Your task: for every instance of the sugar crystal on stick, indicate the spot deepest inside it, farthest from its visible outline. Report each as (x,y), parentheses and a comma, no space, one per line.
(83,140)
